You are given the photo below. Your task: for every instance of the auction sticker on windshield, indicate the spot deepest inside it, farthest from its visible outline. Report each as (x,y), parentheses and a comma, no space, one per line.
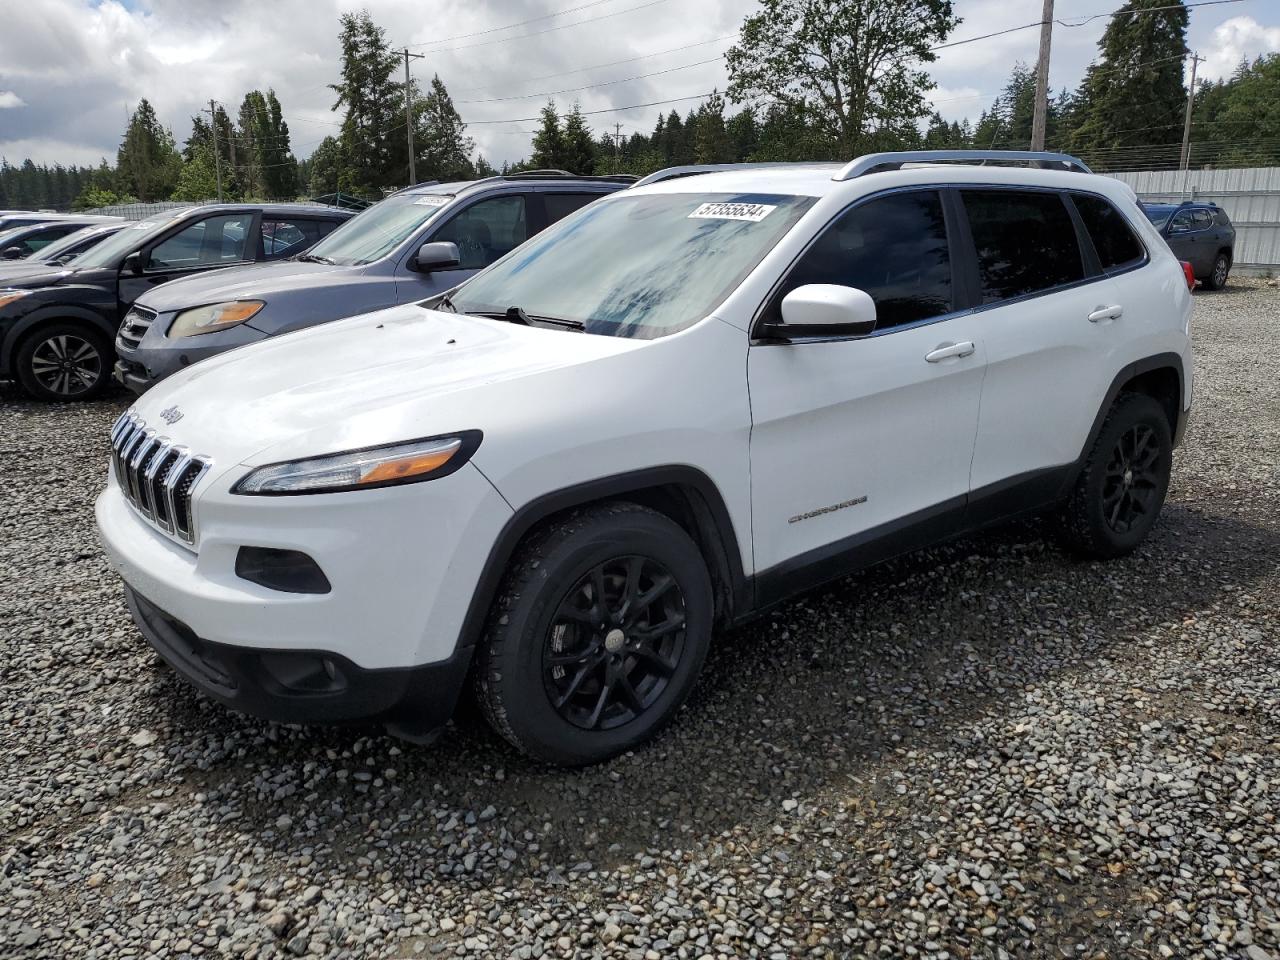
(432,200)
(755,212)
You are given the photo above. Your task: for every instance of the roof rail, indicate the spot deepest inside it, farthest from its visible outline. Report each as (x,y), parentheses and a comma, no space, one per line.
(877,162)
(543,174)
(693,169)
(567,175)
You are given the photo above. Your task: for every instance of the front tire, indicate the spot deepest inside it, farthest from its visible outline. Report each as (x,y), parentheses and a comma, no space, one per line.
(1217,278)
(597,636)
(61,362)
(1120,491)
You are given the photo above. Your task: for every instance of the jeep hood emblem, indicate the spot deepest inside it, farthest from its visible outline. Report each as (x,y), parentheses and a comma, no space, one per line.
(171,415)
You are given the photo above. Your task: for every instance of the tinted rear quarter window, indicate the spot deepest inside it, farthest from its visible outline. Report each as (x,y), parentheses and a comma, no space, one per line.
(1112,237)
(1025,241)
(893,248)
(560,205)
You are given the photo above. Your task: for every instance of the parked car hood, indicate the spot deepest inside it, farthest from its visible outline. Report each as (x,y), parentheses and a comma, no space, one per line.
(256,282)
(24,275)
(381,377)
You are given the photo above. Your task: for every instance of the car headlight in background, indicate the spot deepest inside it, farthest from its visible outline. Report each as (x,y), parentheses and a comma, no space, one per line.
(384,466)
(8,296)
(213,317)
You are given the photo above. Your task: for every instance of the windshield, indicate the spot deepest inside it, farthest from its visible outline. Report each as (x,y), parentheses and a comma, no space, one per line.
(1158,213)
(59,248)
(373,233)
(130,238)
(8,235)
(640,266)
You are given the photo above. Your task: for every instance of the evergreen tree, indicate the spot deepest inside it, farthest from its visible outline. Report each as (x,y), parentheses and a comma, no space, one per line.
(744,134)
(440,138)
(579,149)
(1133,95)
(711,138)
(148,162)
(374,152)
(548,143)
(326,167)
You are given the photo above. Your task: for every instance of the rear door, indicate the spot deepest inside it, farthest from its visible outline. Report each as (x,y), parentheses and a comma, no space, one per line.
(1051,320)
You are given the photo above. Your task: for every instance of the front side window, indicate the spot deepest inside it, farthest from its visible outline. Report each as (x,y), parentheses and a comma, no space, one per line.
(131,237)
(1181,222)
(373,233)
(38,240)
(486,231)
(1112,236)
(214,240)
(637,265)
(1025,241)
(893,248)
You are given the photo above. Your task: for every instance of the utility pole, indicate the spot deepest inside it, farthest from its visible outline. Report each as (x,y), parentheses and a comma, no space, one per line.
(217,159)
(1042,78)
(408,109)
(1196,59)
(617,147)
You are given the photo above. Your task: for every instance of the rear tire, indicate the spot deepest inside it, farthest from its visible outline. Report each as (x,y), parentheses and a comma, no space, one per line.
(61,362)
(597,635)
(1217,278)
(1120,491)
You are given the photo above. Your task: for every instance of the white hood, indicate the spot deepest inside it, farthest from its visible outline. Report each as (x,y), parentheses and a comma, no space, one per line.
(393,375)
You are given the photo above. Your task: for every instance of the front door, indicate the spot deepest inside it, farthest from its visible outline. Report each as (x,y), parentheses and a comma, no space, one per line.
(220,240)
(484,231)
(861,447)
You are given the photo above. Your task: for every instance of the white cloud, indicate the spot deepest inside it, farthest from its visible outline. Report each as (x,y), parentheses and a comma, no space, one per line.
(9,100)
(80,66)
(1237,39)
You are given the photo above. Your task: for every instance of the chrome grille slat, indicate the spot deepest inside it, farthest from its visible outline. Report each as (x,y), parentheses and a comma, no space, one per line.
(156,476)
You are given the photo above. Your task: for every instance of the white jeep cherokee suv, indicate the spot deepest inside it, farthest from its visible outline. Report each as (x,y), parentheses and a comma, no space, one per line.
(674,408)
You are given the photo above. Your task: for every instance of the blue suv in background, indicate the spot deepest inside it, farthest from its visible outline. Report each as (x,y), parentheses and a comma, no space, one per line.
(413,245)
(1199,233)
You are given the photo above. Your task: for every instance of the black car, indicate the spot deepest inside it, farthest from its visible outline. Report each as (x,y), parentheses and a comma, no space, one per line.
(57,326)
(1199,233)
(18,243)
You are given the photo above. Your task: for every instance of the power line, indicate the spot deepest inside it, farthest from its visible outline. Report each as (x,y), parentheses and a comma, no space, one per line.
(510,26)
(593,113)
(591,86)
(539,33)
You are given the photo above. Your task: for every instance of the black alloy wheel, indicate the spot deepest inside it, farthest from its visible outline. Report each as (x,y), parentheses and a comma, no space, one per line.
(615,642)
(597,634)
(1131,482)
(63,361)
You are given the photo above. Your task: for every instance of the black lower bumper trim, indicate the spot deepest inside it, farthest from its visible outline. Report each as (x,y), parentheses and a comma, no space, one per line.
(305,686)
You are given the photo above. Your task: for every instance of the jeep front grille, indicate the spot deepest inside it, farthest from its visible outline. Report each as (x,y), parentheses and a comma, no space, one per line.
(136,323)
(156,476)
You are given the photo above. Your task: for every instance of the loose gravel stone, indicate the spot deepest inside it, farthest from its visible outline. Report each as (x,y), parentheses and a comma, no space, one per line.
(986,750)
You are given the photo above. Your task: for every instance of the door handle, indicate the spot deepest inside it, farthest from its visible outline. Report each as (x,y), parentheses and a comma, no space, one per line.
(950,351)
(1099,314)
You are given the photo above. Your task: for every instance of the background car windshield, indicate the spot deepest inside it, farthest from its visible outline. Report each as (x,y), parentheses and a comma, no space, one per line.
(132,237)
(7,236)
(59,247)
(372,234)
(637,266)
(1158,213)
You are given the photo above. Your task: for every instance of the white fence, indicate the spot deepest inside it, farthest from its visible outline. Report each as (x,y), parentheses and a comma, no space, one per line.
(1251,197)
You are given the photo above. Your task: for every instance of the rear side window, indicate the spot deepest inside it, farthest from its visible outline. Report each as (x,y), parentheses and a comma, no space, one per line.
(1025,241)
(560,205)
(1202,219)
(287,238)
(1112,237)
(893,248)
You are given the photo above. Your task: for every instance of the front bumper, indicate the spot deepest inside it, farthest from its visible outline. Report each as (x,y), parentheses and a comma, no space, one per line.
(142,366)
(314,686)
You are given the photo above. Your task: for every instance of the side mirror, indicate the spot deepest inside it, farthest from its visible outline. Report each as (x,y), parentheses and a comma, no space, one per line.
(442,255)
(133,263)
(12,253)
(825,310)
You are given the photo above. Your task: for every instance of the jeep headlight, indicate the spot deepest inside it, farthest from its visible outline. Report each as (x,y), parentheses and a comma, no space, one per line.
(213,317)
(383,466)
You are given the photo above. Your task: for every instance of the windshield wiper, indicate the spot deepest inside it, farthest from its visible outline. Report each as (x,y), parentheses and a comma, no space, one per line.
(516,314)
(312,258)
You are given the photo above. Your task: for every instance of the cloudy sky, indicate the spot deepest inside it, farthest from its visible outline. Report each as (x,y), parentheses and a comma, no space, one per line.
(71,70)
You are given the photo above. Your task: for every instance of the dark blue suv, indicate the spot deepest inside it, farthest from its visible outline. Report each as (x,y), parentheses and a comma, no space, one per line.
(413,245)
(1199,233)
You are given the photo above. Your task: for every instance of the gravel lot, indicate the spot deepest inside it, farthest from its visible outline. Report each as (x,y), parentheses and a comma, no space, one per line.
(989,750)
